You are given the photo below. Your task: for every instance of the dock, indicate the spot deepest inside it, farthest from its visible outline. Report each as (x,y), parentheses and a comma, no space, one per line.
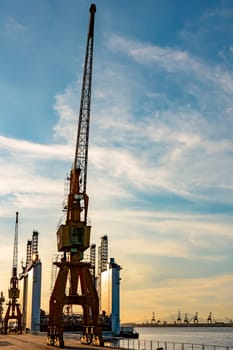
(38,342)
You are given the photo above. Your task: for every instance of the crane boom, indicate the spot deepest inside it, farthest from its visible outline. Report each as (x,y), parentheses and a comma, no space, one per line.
(81,151)
(78,200)
(15,252)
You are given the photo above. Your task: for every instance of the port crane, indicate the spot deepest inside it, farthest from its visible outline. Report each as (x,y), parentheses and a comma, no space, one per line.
(73,238)
(179,320)
(209,318)
(2,299)
(13,310)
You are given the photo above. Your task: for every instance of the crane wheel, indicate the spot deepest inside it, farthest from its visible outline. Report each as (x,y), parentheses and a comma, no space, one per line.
(50,341)
(59,343)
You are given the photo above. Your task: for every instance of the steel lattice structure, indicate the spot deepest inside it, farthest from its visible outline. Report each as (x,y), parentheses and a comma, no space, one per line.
(73,238)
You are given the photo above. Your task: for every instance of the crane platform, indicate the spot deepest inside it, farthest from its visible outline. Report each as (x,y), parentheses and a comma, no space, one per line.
(38,342)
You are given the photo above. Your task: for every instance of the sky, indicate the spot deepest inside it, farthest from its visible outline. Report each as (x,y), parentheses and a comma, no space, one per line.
(160,151)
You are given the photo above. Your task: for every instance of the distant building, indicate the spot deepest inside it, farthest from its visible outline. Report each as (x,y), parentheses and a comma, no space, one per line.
(36,297)
(103,254)
(108,285)
(110,294)
(93,259)
(31,278)
(102,262)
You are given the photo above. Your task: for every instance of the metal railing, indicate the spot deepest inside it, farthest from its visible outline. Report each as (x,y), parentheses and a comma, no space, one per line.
(136,344)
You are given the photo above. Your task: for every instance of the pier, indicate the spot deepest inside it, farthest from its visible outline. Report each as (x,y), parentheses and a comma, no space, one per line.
(72,341)
(38,342)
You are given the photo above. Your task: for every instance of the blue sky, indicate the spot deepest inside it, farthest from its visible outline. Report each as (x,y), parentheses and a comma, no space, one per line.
(160,154)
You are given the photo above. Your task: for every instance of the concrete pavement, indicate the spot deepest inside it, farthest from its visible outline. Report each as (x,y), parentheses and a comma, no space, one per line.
(38,342)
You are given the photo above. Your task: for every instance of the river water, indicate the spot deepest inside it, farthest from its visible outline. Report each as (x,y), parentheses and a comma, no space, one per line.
(194,335)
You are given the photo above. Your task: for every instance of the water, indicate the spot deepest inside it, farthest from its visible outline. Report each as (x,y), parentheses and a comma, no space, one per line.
(219,336)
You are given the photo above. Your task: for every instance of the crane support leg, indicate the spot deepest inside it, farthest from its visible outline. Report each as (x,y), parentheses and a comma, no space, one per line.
(77,273)
(13,313)
(57,301)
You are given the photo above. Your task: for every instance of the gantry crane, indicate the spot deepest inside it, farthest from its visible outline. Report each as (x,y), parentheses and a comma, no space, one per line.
(2,299)
(73,238)
(13,310)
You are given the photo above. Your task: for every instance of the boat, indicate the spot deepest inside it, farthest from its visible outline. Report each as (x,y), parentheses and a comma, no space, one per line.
(128,332)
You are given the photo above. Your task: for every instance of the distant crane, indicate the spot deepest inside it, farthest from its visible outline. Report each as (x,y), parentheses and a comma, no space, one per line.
(209,318)
(195,318)
(73,238)
(2,299)
(179,320)
(13,310)
(186,321)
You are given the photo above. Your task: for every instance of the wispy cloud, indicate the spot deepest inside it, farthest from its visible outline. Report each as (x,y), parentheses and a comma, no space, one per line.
(172,296)
(30,179)
(34,150)
(176,148)
(159,168)
(173,60)
(67,108)
(11,28)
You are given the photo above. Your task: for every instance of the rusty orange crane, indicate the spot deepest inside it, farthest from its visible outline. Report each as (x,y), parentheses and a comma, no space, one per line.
(73,238)
(13,312)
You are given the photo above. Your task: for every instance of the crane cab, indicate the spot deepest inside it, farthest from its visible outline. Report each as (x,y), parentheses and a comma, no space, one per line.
(73,236)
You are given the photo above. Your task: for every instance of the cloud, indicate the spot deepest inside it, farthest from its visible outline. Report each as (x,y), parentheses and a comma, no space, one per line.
(66,107)
(193,237)
(13,29)
(172,296)
(176,148)
(32,175)
(223,12)
(160,155)
(34,150)
(173,61)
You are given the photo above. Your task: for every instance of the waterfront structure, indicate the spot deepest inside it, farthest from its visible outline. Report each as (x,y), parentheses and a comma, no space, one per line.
(110,294)
(108,285)
(102,263)
(92,260)
(103,254)
(36,297)
(31,277)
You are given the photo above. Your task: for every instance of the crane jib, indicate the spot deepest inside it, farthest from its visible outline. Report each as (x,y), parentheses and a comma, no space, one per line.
(81,150)
(77,204)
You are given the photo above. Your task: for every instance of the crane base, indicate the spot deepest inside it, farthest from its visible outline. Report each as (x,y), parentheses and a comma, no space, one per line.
(78,275)
(13,313)
(92,335)
(87,339)
(53,340)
